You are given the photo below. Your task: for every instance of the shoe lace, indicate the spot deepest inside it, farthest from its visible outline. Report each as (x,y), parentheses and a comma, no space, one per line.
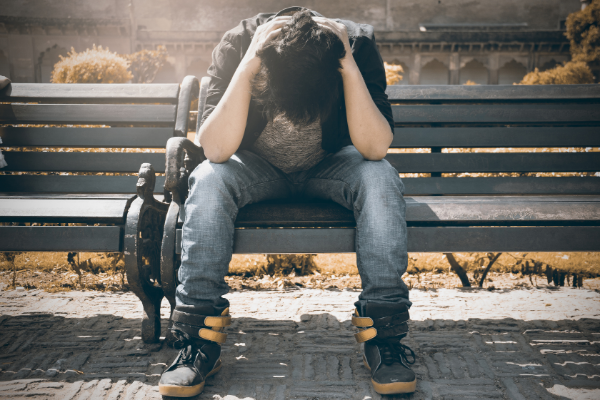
(188,348)
(393,351)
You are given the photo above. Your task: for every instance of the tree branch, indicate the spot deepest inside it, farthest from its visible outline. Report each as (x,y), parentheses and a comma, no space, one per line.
(487,269)
(455,266)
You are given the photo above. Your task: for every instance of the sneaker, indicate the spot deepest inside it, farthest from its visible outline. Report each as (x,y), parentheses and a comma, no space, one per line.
(383,327)
(199,337)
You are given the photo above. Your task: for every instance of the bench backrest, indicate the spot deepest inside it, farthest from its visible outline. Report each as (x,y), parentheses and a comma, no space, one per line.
(86,138)
(488,140)
(516,121)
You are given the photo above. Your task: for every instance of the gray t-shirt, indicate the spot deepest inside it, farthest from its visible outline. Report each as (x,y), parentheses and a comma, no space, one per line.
(288,147)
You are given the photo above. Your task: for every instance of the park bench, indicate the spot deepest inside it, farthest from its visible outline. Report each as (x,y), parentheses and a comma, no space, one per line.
(93,199)
(501,206)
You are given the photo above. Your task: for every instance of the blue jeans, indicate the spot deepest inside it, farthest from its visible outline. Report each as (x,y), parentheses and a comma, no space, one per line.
(371,189)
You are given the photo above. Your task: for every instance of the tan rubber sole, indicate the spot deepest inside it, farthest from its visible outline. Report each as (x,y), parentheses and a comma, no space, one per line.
(185,391)
(392,388)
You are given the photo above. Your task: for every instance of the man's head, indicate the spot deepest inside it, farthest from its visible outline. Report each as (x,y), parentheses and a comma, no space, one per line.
(299,75)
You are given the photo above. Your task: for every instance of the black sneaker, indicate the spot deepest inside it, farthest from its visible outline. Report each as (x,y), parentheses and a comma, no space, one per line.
(387,359)
(199,337)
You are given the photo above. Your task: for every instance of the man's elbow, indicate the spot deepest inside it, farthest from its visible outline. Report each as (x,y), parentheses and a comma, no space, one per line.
(376,154)
(373,152)
(216,157)
(378,151)
(214,154)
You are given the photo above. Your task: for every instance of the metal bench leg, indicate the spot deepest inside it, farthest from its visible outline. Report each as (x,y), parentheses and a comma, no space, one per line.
(143,235)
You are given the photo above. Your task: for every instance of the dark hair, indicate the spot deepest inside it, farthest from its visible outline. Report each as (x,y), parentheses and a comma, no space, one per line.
(300,72)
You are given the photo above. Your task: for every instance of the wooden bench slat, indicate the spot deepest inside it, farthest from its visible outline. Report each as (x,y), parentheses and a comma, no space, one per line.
(90,210)
(420,239)
(405,137)
(475,210)
(289,213)
(502,186)
(93,93)
(106,114)
(82,161)
(66,196)
(86,137)
(61,238)
(496,113)
(503,239)
(494,162)
(413,186)
(517,93)
(79,184)
(509,210)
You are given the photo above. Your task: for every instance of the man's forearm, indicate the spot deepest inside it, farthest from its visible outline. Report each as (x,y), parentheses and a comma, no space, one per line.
(222,132)
(369,130)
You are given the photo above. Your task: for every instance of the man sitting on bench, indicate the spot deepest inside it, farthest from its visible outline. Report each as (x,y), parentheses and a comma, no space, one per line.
(296,107)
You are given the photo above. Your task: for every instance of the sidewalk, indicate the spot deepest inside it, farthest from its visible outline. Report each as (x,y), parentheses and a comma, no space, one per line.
(514,344)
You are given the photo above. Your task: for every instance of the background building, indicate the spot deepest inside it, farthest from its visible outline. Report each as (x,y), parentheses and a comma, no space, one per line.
(436,41)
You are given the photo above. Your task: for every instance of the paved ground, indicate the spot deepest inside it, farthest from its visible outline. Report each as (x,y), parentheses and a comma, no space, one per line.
(514,344)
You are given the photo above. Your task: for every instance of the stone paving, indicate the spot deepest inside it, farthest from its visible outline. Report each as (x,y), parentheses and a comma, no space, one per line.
(471,344)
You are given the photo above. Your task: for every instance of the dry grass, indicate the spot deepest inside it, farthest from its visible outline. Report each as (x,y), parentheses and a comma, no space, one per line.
(52,272)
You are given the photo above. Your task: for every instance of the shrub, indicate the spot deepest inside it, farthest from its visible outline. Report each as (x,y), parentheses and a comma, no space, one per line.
(393,73)
(145,64)
(572,73)
(583,31)
(95,65)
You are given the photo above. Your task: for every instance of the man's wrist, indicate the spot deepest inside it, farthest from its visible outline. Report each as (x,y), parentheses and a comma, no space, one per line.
(248,68)
(349,67)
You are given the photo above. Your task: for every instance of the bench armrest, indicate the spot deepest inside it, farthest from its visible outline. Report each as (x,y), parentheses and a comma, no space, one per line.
(189,92)
(145,188)
(182,157)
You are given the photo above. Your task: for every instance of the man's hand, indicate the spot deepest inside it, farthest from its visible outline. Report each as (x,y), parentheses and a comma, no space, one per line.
(340,30)
(263,35)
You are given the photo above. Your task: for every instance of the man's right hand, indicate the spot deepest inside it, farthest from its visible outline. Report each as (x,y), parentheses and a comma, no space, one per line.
(263,35)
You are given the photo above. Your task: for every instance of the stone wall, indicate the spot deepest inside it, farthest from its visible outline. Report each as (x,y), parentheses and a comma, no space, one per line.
(384,15)
(437,41)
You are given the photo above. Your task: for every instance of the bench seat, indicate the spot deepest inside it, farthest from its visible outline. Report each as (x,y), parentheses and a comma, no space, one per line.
(65,209)
(435,223)
(434,210)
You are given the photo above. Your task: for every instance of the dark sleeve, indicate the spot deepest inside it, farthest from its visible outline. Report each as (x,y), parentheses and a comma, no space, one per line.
(370,63)
(225,60)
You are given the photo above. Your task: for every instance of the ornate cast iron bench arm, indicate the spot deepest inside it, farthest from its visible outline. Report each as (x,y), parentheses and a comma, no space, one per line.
(145,226)
(182,157)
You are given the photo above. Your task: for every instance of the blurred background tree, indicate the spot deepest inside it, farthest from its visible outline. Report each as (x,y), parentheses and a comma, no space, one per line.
(393,73)
(145,64)
(95,65)
(583,31)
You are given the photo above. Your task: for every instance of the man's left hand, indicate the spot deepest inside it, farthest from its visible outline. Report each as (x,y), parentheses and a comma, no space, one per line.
(340,30)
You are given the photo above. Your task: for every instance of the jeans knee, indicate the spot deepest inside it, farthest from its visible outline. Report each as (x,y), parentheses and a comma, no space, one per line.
(379,176)
(208,175)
